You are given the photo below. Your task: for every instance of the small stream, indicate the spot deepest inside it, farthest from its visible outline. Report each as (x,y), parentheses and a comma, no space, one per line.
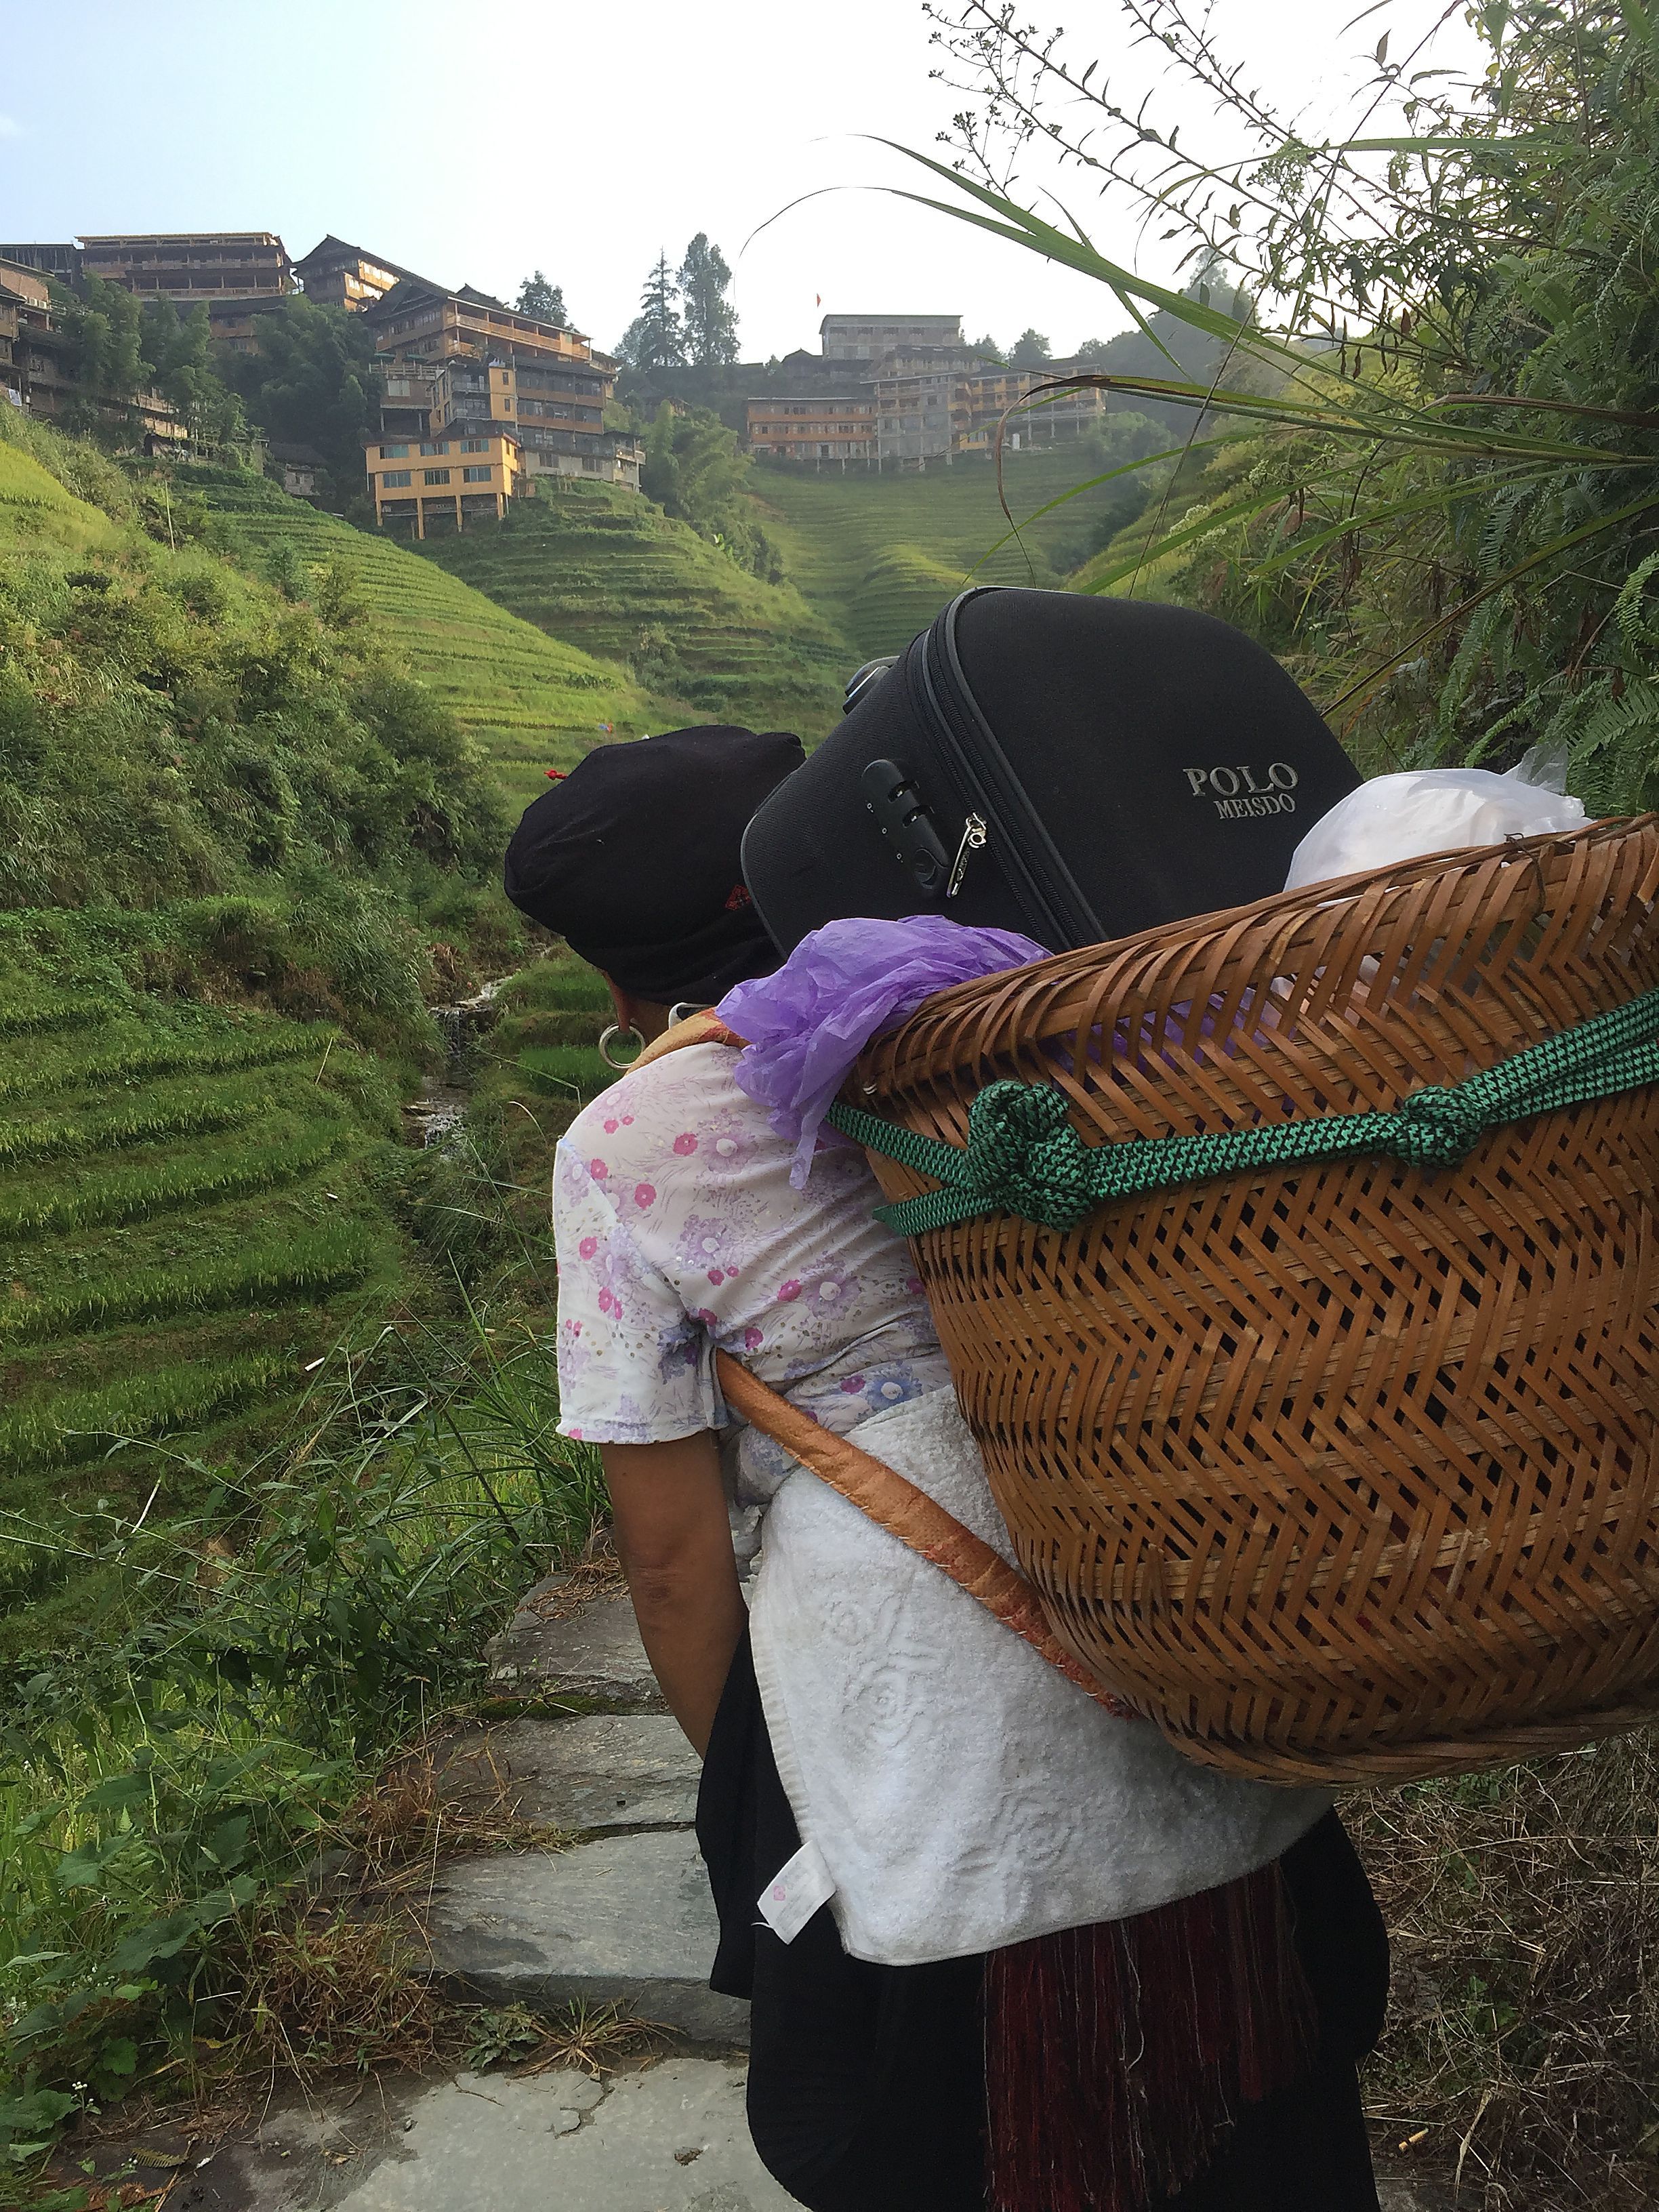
(434,1114)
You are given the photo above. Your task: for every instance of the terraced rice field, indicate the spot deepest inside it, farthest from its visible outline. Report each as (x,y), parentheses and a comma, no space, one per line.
(600,567)
(533,702)
(878,555)
(191,1207)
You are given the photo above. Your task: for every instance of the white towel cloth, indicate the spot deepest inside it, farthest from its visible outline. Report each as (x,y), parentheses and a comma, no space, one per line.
(963,1794)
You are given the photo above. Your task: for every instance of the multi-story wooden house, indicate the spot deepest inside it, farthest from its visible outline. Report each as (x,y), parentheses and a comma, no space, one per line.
(336,275)
(36,371)
(838,430)
(423,486)
(459,363)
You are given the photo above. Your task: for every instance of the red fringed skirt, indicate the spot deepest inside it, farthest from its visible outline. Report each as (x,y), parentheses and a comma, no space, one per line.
(1118,2055)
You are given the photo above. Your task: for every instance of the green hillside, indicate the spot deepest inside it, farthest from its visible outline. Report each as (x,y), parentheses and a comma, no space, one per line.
(221,815)
(39,514)
(878,555)
(532,701)
(601,567)
(189,1210)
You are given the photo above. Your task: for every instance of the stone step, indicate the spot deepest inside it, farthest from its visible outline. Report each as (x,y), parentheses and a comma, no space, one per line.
(664,2137)
(671,2139)
(624,1920)
(598,1771)
(582,1654)
(668,2136)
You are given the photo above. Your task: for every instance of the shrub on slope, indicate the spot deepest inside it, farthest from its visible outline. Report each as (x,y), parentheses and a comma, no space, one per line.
(169,727)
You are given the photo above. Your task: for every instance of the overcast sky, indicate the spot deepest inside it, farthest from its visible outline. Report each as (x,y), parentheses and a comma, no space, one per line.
(474,145)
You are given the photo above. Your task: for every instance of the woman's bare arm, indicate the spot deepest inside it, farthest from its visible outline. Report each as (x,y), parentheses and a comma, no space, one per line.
(674,1542)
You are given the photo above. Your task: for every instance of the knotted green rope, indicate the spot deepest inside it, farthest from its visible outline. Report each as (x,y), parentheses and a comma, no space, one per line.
(1023,1157)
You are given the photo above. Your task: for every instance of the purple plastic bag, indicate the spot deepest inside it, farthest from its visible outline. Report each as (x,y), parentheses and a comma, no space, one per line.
(842,985)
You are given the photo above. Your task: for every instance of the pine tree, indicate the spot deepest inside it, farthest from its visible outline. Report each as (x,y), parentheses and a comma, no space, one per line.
(1031,350)
(656,337)
(711,321)
(544,300)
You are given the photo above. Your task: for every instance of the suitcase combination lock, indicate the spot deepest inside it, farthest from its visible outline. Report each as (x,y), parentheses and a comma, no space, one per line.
(892,794)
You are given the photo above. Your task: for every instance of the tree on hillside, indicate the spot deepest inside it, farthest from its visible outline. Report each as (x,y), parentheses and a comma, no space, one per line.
(106,334)
(695,469)
(1031,350)
(711,321)
(656,337)
(544,300)
(987,349)
(179,363)
(313,381)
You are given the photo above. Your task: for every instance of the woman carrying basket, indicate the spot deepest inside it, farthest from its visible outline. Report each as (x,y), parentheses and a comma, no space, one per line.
(1004,1946)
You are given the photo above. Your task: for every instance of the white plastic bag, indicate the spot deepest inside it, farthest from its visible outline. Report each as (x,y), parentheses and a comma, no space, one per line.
(1436,810)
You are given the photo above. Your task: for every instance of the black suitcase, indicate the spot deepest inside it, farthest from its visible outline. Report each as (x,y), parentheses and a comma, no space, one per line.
(1074,768)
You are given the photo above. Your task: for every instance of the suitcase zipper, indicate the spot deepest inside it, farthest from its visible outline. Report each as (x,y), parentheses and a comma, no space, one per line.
(973,838)
(1060,915)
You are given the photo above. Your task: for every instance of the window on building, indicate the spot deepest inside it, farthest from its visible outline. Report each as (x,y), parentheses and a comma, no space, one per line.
(441,445)
(391,478)
(437,475)
(394,452)
(475,445)
(477,476)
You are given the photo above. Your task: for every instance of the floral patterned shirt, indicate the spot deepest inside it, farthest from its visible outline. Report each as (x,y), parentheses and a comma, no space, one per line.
(677,1233)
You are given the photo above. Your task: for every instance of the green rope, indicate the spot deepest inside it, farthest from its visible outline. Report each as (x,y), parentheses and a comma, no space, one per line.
(1023,1157)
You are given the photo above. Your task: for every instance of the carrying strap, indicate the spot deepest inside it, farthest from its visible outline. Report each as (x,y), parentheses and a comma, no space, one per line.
(900,1506)
(884,1495)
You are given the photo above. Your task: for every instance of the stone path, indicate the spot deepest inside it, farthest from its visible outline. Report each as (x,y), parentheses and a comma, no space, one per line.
(668,2137)
(621,1916)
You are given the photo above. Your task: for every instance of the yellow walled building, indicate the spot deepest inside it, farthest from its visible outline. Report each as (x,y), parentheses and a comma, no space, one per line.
(455,363)
(425,487)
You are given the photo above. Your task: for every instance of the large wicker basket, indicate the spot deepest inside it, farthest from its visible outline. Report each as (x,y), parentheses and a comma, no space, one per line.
(1344,1472)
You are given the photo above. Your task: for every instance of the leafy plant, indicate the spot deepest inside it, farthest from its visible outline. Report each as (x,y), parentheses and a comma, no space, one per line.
(164,1784)
(1434,476)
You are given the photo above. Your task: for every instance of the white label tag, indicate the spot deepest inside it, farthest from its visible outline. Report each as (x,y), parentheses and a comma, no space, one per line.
(795,1892)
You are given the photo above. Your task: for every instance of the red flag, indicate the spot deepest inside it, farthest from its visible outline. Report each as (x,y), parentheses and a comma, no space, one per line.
(818,299)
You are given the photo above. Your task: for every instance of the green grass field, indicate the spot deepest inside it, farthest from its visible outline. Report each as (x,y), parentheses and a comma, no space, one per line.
(878,555)
(192,1202)
(601,567)
(38,514)
(533,701)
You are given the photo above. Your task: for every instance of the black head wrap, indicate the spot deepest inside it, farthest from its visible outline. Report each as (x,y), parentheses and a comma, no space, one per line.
(633,858)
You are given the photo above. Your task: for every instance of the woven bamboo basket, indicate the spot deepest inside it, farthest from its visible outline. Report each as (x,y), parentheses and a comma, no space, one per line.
(1344,1472)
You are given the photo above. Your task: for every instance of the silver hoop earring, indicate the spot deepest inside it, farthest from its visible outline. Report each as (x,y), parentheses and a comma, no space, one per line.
(621,1067)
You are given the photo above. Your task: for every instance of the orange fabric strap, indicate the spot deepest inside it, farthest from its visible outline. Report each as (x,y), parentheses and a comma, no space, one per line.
(706,1028)
(895,1503)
